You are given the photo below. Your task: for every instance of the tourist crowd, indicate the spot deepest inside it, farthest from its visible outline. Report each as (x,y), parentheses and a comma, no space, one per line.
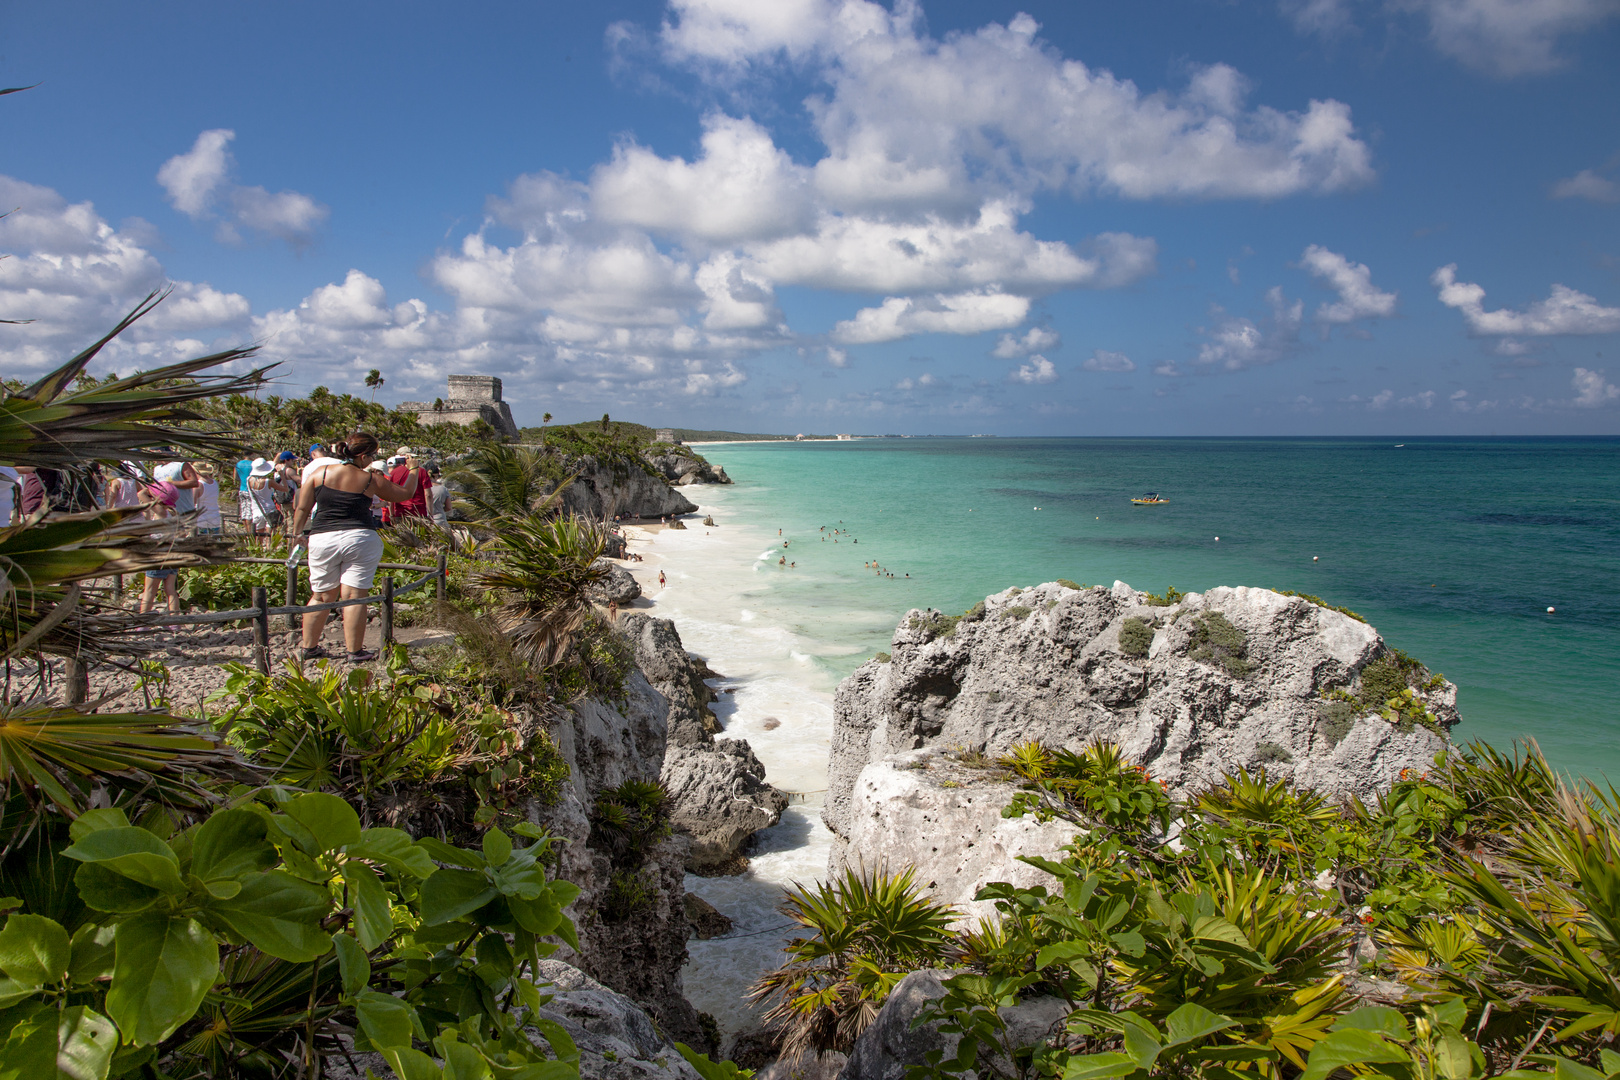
(331,501)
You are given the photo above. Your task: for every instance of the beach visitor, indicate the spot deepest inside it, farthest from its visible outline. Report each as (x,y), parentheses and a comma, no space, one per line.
(124,488)
(185,481)
(417,504)
(613,611)
(318,456)
(162,495)
(209,522)
(439,501)
(291,477)
(10,488)
(264,516)
(660,579)
(243,515)
(334,515)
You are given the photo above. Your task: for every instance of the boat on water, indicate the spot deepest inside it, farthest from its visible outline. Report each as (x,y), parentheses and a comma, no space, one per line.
(1151,499)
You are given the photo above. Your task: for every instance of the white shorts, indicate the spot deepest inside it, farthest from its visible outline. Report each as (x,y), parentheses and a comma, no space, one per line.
(344,557)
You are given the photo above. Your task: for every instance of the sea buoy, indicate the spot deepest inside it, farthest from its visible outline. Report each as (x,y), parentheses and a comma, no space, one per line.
(1217,539)
(1315,558)
(1550,611)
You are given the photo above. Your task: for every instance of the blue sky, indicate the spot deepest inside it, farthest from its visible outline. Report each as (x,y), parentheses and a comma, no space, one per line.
(1194,217)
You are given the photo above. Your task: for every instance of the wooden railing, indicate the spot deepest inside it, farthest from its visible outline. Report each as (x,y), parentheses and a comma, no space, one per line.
(261,611)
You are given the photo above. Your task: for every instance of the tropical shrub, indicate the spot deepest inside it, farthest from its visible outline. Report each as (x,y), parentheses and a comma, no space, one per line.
(1216,642)
(869,929)
(1135,636)
(245,944)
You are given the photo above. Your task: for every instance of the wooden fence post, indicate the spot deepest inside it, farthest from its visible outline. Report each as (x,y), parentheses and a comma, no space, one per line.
(440,585)
(261,628)
(388,612)
(77,676)
(292,595)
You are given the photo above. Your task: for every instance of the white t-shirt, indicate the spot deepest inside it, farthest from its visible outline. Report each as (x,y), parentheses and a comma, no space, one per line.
(315,466)
(208,503)
(10,485)
(185,500)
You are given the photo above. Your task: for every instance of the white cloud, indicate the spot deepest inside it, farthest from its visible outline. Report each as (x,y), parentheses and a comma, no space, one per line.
(1499,37)
(1038,370)
(1102,360)
(1587,184)
(959,313)
(1237,343)
(916,121)
(838,358)
(199,185)
(924,381)
(1385,398)
(1358,299)
(1168,370)
(75,276)
(1592,390)
(1565,311)
(742,187)
(1510,37)
(1037,339)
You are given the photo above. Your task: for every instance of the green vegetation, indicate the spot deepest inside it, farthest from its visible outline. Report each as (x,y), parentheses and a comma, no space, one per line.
(1135,636)
(229,587)
(1270,753)
(936,624)
(867,932)
(1016,611)
(1484,892)
(1217,642)
(1067,584)
(1319,602)
(1335,719)
(883,658)
(629,821)
(1171,596)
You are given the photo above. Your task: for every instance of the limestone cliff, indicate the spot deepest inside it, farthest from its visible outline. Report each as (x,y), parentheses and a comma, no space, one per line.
(717,787)
(1186,693)
(683,468)
(603,489)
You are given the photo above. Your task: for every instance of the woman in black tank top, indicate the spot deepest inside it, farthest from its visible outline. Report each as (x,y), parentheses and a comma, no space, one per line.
(334,519)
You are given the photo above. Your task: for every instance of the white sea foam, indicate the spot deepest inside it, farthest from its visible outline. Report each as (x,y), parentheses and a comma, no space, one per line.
(776,696)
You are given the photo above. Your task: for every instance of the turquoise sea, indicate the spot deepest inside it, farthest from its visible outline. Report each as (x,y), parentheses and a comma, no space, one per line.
(1453,548)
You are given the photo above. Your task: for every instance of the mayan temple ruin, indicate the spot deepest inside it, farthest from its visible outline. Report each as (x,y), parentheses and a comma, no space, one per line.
(471,398)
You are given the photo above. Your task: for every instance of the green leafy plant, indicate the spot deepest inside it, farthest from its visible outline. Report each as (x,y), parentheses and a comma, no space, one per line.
(867,931)
(1135,636)
(1171,597)
(1217,642)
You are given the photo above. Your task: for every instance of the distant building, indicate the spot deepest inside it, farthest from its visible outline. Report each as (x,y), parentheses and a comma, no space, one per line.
(799,437)
(845,438)
(471,398)
(667,435)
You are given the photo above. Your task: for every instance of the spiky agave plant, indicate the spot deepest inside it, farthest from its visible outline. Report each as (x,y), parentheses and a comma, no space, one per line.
(501,481)
(544,571)
(869,929)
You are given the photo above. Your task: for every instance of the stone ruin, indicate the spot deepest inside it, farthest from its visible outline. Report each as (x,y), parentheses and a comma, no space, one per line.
(471,398)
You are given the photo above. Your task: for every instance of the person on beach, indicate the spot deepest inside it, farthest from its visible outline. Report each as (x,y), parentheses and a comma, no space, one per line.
(613,611)
(660,579)
(334,515)
(209,522)
(162,495)
(439,501)
(265,517)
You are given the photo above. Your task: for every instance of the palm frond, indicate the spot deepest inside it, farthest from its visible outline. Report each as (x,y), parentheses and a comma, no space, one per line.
(546,570)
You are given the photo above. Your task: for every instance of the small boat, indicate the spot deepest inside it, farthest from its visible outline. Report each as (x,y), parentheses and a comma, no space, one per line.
(1151,499)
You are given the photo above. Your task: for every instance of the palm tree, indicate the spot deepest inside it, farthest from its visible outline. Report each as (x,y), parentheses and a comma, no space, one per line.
(545,573)
(374,379)
(503,481)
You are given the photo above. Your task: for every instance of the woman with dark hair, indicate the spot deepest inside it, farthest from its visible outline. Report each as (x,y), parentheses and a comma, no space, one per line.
(334,517)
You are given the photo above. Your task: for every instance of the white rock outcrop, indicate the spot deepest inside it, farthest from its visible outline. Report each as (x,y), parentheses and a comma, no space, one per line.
(1046,663)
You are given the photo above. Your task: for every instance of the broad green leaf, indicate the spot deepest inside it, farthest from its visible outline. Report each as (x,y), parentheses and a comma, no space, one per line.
(93,953)
(1099,1066)
(1452,1014)
(538,916)
(497,847)
(544,1070)
(29,1052)
(1142,1045)
(1455,1058)
(1130,943)
(104,890)
(395,849)
(94,820)
(231,844)
(442,852)
(1192,1022)
(1379,1018)
(1610,1061)
(1063,951)
(1350,1046)
(12,991)
(373,921)
(562,1043)
(411,1064)
(134,853)
(280,914)
(332,822)
(86,1042)
(385,1020)
(164,966)
(449,894)
(1215,928)
(34,949)
(353,966)
(462,1062)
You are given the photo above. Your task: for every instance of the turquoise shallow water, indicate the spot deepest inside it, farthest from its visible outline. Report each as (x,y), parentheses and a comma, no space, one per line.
(1453,549)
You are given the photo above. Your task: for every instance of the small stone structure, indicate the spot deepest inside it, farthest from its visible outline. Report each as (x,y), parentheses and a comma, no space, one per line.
(666,435)
(471,398)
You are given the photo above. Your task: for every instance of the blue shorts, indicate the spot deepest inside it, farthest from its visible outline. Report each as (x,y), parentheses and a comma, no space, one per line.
(170,572)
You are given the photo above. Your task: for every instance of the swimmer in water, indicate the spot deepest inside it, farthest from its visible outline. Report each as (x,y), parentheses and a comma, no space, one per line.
(782,561)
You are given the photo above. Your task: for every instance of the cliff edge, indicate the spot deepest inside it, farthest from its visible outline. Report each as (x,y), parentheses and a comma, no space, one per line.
(1191,686)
